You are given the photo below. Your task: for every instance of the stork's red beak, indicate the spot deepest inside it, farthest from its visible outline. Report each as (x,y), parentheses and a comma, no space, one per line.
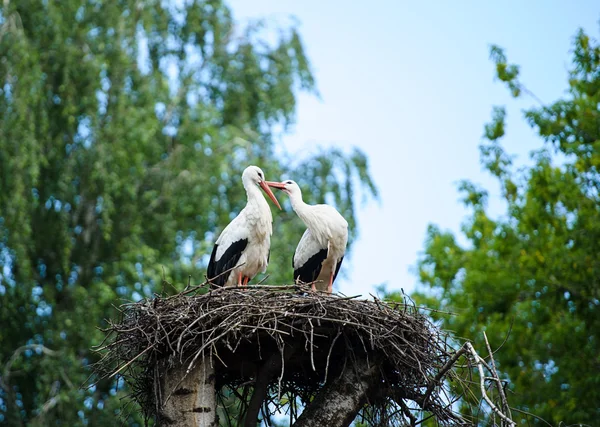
(265,186)
(279,185)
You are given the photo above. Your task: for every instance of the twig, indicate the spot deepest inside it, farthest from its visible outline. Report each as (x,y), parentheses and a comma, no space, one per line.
(534,416)
(129,363)
(229,270)
(329,355)
(263,279)
(496,378)
(449,364)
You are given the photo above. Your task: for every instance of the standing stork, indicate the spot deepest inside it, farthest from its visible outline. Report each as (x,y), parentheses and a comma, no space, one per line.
(243,247)
(321,249)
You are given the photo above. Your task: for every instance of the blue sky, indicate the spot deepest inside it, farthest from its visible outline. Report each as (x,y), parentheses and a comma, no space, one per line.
(411,84)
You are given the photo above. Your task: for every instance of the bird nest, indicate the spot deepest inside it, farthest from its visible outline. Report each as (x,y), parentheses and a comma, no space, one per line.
(240,328)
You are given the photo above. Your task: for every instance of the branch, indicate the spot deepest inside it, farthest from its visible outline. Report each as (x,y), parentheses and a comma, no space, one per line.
(10,393)
(406,411)
(263,378)
(18,352)
(505,406)
(449,364)
(478,361)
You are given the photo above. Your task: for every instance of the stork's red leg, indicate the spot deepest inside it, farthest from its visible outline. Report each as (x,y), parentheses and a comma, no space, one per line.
(246,281)
(330,285)
(313,287)
(239,279)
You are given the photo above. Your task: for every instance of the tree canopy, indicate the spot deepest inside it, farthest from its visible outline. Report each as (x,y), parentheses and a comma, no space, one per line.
(533,272)
(125,126)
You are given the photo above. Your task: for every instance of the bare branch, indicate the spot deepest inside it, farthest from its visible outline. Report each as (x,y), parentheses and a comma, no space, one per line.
(478,361)
(496,378)
(19,351)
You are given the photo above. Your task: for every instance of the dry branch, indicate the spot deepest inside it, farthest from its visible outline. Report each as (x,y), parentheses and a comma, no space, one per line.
(480,363)
(496,378)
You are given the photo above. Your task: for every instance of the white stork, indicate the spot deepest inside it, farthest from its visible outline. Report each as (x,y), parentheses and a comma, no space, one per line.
(321,249)
(244,245)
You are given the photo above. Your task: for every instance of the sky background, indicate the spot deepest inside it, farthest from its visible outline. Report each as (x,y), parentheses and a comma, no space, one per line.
(411,84)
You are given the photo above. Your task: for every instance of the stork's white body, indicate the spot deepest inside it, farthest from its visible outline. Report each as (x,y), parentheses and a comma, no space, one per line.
(323,245)
(254,224)
(243,246)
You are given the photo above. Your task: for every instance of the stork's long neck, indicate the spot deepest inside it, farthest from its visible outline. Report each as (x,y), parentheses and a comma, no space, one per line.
(302,209)
(309,218)
(258,212)
(255,197)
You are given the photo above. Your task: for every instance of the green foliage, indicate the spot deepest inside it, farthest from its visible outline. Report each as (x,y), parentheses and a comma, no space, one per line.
(505,72)
(536,268)
(125,126)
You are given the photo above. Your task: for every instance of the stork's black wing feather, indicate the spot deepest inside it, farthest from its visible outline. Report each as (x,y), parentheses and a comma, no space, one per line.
(309,271)
(227,261)
(337,268)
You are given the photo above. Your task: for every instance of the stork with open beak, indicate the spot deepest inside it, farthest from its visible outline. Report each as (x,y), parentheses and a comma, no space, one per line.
(242,249)
(321,249)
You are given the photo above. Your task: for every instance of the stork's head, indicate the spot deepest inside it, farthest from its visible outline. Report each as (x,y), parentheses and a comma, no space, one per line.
(290,187)
(253,175)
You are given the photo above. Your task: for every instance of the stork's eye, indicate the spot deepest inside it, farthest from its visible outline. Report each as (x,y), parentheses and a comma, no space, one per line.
(260,175)
(289,182)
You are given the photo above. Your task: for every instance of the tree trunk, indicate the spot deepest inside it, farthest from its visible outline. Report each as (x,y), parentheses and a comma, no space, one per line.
(341,399)
(191,398)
